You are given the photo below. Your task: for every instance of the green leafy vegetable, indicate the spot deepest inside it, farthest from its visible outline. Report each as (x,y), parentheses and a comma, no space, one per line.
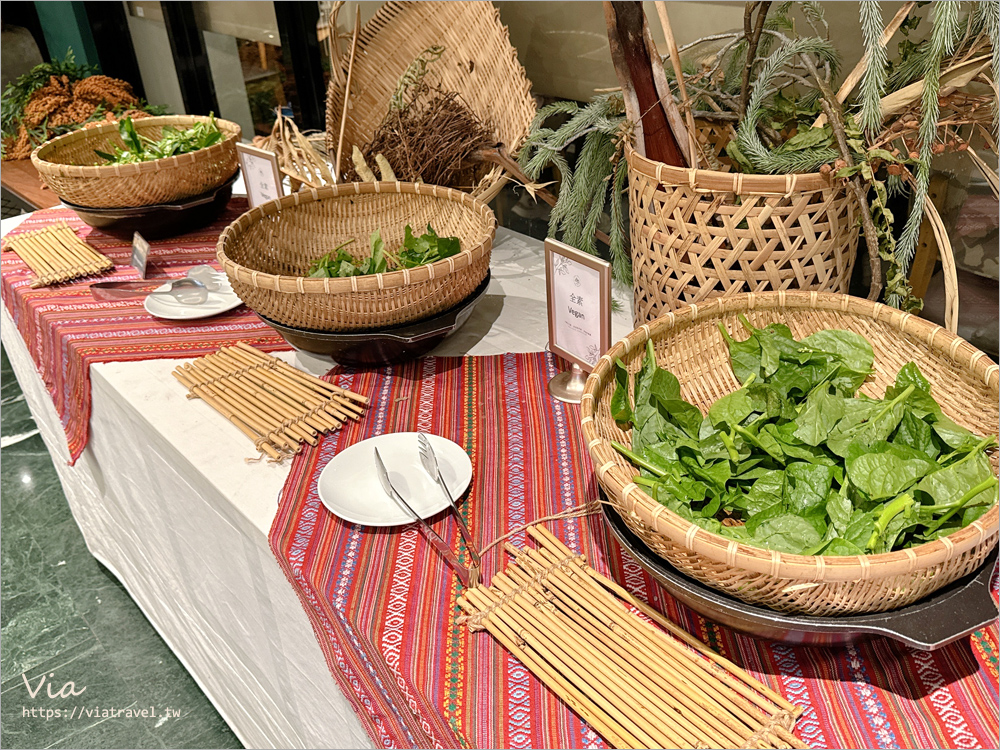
(416,251)
(172,142)
(797,458)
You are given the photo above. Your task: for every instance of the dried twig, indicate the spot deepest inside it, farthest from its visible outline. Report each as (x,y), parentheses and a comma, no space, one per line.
(347,93)
(753,40)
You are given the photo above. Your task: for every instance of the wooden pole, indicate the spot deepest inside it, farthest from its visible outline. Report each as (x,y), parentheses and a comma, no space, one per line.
(347,93)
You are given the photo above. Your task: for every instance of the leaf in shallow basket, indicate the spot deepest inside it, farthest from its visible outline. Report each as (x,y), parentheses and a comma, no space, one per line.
(920,400)
(821,413)
(916,433)
(950,484)
(954,435)
(807,485)
(850,349)
(744,356)
(621,409)
(786,532)
(884,470)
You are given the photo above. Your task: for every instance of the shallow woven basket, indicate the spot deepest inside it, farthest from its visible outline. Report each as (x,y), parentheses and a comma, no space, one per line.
(698,234)
(688,343)
(68,166)
(478,63)
(267,252)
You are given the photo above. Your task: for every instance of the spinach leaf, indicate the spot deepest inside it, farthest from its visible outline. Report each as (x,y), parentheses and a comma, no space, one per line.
(822,412)
(808,485)
(886,470)
(621,408)
(786,533)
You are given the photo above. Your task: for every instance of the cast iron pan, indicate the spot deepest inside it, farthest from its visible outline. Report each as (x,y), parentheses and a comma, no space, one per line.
(160,220)
(382,346)
(950,613)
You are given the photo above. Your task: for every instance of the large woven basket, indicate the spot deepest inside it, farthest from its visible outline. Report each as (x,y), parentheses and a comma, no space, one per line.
(478,63)
(688,343)
(267,252)
(71,168)
(698,234)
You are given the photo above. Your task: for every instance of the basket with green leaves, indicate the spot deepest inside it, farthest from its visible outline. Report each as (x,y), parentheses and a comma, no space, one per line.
(811,452)
(140,163)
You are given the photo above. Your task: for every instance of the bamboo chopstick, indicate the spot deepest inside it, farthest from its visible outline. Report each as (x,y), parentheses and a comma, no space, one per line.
(55,254)
(277,406)
(637,684)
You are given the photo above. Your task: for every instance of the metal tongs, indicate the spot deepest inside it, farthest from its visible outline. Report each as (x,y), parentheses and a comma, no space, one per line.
(468,576)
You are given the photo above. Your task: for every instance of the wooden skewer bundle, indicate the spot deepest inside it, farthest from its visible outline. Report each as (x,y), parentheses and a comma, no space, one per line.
(636,684)
(271,402)
(56,254)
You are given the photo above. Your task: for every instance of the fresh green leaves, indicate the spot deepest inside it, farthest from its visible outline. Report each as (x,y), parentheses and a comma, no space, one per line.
(797,458)
(416,251)
(172,142)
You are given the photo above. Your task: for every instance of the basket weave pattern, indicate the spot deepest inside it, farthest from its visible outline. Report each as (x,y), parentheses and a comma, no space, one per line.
(72,170)
(688,343)
(478,63)
(267,252)
(698,234)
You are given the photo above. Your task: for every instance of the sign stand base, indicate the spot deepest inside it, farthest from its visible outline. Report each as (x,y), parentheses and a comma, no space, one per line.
(568,386)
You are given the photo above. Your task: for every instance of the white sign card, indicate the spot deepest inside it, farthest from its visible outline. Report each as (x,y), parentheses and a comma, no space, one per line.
(261,174)
(578,287)
(140,254)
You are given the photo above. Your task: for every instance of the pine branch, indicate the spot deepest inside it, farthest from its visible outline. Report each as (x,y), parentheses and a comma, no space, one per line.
(876,66)
(753,40)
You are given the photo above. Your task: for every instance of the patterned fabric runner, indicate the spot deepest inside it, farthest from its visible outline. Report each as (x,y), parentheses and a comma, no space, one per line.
(67,330)
(382,603)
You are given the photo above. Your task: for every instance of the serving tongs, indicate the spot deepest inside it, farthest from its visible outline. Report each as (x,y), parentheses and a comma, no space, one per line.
(468,577)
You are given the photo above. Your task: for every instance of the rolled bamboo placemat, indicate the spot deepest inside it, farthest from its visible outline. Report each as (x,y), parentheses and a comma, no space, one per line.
(636,684)
(275,405)
(55,254)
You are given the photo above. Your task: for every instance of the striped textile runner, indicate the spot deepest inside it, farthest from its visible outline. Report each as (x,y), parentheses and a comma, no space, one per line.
(382,604)
(67,330)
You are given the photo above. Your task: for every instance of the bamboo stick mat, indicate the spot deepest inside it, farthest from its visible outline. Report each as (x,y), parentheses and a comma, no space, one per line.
(277,406)
(635,684)
(56,254)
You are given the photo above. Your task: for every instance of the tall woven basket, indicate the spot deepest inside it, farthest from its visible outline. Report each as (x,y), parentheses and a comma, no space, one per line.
(74,172)
(698,234)
(688,343)
(478,63)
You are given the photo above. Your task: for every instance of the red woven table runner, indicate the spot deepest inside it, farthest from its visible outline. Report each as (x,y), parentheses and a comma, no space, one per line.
(382,603)
(67,330)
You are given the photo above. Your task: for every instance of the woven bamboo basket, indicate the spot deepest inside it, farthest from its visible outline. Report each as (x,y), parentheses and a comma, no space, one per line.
(71,169)
(478,63)
(266,253)
(688,343)
(698,234)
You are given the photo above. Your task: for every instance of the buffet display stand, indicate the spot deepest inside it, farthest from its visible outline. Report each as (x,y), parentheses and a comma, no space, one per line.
(166,501)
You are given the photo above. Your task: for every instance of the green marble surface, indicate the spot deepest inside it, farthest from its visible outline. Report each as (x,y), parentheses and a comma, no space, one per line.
(64,617)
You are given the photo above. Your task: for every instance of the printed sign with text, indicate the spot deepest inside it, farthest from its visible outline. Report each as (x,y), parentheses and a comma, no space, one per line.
(579,300)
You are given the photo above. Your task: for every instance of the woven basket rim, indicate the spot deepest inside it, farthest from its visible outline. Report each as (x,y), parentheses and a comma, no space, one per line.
(368,282)
(629,497)
(727,182)
(231,131)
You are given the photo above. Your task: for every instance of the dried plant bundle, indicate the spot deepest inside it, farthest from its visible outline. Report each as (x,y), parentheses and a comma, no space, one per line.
(297,156)
(434,138)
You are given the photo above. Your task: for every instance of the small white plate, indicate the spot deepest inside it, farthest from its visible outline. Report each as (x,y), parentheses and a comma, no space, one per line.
(218,302)
(349,486)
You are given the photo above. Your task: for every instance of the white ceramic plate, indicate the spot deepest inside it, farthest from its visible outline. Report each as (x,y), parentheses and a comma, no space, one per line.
(218,302)
(349,486)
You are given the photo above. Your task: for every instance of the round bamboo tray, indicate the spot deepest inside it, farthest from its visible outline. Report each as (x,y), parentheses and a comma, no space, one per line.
(688,343)
(267,253)
(699,233)
(478,63)
(74,172)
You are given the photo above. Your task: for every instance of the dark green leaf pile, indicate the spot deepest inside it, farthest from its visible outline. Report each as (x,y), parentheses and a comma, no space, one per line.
(416,251)
(172,142)
(797,460)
